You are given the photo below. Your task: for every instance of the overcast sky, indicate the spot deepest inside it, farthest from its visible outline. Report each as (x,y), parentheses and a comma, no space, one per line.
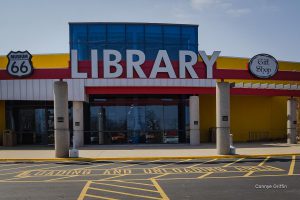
(239,28)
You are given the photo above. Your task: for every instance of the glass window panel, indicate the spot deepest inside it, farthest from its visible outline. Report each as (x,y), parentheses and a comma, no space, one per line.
(173,51)
(116,118)
(136,124)
(191,47)
(99,46)
(78,33)
(118,47)
(171,117)
(96,34)
(79,40)
(134,34)
(172,35)
(171,124)
(153,34)
(187,123)
(154,118)
(154,123)
(151,50)
(136,46)
(40,126)
(82,50)
(189,35)
(94,118)
(116,33)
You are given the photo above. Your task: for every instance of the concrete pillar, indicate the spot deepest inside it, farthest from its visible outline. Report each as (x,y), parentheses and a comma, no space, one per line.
(291,121)
(78,128)
(61,119)
(194,120)
(223,117)
(101,125)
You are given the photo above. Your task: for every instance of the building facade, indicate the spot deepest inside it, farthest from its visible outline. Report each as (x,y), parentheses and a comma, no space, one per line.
(131,83)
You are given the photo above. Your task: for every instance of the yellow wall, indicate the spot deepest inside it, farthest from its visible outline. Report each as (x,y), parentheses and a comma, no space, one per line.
(258,114)
(207,115)
(43,61)
(2,120)
(242,63)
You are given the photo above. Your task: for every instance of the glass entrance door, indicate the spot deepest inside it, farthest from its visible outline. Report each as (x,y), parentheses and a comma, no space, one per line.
(137,120)
(26,127)
(35,126)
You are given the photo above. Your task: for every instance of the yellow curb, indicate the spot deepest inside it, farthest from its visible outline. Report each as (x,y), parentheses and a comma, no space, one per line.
(146,158)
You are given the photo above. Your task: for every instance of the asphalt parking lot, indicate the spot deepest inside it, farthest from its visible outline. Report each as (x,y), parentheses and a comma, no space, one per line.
(216,178)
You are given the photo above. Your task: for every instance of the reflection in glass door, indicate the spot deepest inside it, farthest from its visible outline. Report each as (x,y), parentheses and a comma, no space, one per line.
(26,128)
(41,136)
(154,123)
(138,120)
(136,124)
(170,124)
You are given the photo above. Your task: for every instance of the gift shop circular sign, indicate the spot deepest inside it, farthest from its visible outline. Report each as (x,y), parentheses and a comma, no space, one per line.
(263,66)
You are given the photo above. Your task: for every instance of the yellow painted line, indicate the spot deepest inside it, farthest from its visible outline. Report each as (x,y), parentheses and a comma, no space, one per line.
(15,178)
(159,176)
(171,163)
(36,169)
(292,166)
(84,190)
(205,175)
(232,162)
(23,173)
(130,165)
(260,164)
(212,177)
(82,168)
(122,186)
(147,158)
(99,197)
(23,167)
(159,189)
(5,166)
(60,178)
(265,160)
(62,174)
(202,163)
(124,193)
(109,178)
(137,183)
(145,179)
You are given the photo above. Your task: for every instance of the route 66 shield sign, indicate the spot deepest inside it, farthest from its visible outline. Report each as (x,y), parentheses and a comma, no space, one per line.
(19,63)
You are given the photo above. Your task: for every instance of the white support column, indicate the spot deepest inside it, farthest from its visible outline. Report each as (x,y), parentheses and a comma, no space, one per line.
(61,119)
(291,121)
(78,132)
(223,117)
(194,120)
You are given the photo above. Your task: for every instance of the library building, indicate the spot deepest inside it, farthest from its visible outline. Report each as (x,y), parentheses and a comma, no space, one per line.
(145,83)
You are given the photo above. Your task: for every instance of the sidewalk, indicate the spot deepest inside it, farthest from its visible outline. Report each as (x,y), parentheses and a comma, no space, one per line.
(148,151)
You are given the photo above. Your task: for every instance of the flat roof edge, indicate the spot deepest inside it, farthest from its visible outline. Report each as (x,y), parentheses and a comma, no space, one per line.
(148,23)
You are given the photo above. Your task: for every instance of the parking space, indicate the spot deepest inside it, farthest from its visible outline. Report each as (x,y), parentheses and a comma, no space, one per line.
(143,179)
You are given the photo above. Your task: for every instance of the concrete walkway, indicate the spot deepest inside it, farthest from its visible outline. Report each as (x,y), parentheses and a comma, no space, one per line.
(148,151)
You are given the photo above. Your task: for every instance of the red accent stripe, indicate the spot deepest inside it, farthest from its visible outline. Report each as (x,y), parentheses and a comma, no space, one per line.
(200,69)
(40,74)
(188,90)
(149,90)
(245,75)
